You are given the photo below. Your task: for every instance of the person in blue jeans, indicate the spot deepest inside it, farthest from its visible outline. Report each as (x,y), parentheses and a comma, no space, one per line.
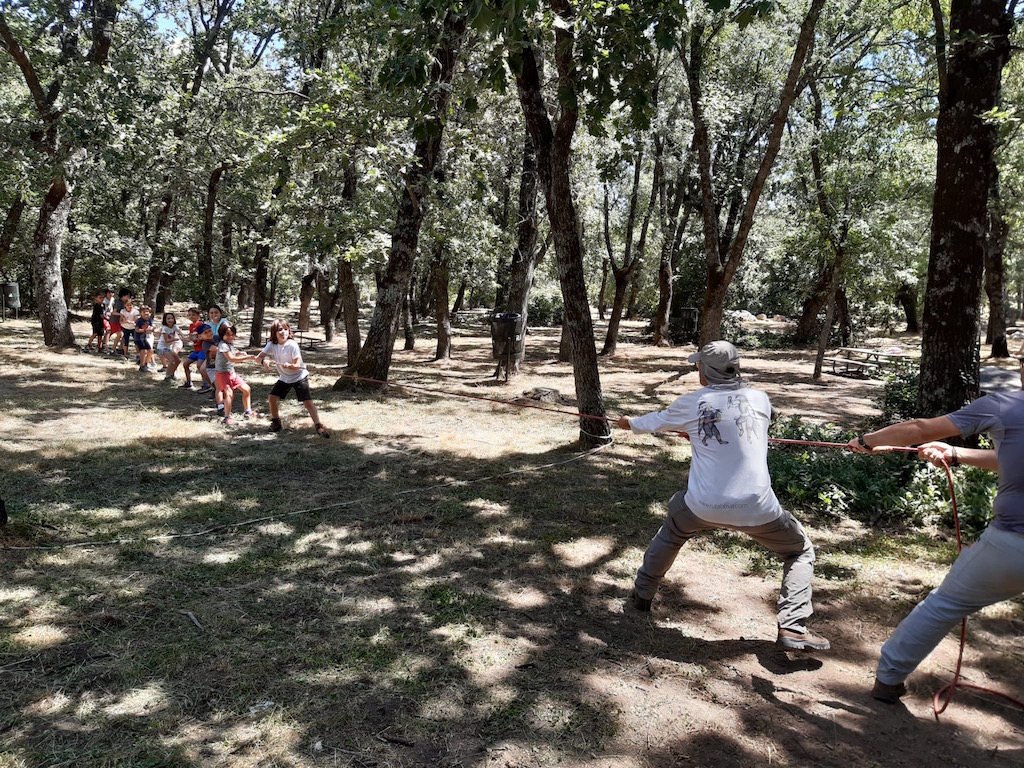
(987,572)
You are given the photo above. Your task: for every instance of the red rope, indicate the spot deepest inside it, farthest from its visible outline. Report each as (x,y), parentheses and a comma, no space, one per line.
(945,694)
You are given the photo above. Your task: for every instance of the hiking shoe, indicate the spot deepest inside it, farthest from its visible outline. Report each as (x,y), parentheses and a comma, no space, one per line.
(890,694)
(321,430)
(641,604)
(275,425)
(801,641)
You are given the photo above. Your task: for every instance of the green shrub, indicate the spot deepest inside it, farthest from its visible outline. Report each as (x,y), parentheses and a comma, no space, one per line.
(894,487)
(546,310)
(899,396)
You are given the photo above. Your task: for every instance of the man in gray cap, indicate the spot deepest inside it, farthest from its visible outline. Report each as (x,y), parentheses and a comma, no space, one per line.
(729,487)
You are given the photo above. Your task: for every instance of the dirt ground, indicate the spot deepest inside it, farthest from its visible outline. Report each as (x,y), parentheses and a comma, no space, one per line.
(441,583)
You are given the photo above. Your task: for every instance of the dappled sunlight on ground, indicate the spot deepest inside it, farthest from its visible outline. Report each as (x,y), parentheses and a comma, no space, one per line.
(443,583)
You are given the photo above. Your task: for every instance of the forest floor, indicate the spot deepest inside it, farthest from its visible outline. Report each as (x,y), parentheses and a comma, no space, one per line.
(441,583)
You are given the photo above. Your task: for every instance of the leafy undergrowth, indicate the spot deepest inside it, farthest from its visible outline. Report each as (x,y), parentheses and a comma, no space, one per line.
(441,583)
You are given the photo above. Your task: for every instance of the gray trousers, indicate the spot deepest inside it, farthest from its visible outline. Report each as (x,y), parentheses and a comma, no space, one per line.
(784,536)
(987,572)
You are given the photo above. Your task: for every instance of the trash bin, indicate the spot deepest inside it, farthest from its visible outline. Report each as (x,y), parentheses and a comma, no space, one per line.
(506,335)
(688,317)
(12,299)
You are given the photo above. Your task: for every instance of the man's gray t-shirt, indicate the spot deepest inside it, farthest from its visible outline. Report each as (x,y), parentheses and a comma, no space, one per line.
(1001,415)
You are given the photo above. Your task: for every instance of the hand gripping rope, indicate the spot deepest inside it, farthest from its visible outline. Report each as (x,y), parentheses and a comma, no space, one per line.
(945,694)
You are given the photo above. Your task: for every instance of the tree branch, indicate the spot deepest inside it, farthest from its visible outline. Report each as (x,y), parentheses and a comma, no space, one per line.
(13,47)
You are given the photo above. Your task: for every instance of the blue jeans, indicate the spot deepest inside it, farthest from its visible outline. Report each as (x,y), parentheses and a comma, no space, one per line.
(987,572)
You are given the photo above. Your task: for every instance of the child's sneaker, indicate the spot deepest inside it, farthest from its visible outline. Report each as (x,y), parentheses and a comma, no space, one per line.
(186,385)
(322,430)
(275,425)
(250,414)
(227,421)
(168,377)
(205,388)
(143,369)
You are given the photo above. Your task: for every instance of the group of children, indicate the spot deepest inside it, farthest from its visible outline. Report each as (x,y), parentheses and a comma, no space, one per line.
(117,323)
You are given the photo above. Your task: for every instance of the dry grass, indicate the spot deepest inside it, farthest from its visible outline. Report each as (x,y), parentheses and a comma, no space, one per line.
(440,584)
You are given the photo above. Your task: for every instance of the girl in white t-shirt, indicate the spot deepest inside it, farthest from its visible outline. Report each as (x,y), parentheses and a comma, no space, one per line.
(169,341)
(292,374)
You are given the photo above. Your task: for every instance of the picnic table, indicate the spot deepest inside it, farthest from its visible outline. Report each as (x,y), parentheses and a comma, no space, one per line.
(868,361)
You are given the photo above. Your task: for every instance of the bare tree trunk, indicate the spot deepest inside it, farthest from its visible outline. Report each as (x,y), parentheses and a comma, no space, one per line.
(444,321)
(46,262)
(460,297)
(408,322)
(206,254)
(349,309)
(375,356)
(263,256)
(10,229)
(723,255)
(525,257)
(306,292)
(554,150)
(906,297)
(228,250)
(969,88)
(830,306)
(998,232)
(602,301)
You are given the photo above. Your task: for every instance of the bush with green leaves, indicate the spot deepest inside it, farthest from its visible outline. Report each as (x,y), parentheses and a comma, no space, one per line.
(899,397)
(889,487)
(546,310)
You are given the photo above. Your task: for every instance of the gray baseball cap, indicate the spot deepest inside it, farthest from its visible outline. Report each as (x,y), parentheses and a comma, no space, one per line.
(719,355)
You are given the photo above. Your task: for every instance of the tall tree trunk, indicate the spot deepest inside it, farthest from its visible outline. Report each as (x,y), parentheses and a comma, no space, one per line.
(969,88)
(444,321)
(347,293)
(163,292)
(10,229)
(46,262)
(502,273)
(159,252)
(830,307)
(408,321)
(259,298)
(672,199)
(602,292)
(554,150)
(807,325)
(227,248)
(723,257)
(206,254)
(998,231)
(349,309)
(68,270)
(375,356)
(906,297)
(525,256)
(306,291)
(460,296)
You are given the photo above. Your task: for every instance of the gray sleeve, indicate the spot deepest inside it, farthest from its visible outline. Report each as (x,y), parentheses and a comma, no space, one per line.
(983,415)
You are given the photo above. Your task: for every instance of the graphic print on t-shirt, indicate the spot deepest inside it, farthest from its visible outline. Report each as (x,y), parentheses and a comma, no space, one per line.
(707,423)
(746,421)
